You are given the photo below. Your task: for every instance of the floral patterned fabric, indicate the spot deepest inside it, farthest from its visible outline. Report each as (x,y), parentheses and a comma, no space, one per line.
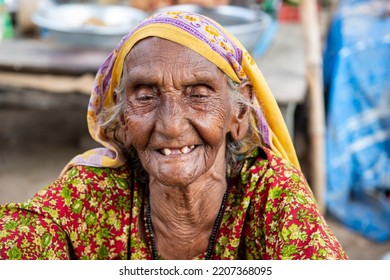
(96,213)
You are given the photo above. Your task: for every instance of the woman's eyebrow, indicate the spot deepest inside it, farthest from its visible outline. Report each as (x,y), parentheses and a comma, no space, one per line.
(203,77)
(138,78)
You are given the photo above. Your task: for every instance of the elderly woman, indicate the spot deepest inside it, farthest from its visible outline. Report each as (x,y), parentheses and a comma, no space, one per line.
(197,162)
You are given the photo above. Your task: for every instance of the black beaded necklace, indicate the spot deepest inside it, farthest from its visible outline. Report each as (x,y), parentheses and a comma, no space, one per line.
(210,247)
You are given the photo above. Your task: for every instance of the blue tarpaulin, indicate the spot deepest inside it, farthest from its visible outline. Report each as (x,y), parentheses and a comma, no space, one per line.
(357,83)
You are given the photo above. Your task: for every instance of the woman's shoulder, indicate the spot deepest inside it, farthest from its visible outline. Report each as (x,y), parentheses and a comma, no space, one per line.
(81,189)
(275,179)
(97,177)
(85,202)
(87,180)
(263,164)
(282,168)
(283,206)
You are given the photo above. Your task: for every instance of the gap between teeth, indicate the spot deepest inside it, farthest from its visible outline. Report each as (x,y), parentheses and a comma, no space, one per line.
(183,150)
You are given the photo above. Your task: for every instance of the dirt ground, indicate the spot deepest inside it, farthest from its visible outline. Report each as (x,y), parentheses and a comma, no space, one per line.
(36,143)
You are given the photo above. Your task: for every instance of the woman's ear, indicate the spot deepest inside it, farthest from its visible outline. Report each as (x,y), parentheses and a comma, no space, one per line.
(122,133)
(241,112)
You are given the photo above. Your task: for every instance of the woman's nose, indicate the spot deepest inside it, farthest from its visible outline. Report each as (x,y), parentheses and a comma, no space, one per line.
(172,121)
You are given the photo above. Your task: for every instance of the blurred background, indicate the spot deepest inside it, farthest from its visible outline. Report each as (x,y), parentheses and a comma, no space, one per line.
(327,63)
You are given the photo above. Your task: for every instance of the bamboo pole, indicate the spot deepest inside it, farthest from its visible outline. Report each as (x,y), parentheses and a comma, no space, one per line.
(313,44)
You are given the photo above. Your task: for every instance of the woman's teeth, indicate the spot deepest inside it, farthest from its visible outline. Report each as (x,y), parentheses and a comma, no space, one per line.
(182,150)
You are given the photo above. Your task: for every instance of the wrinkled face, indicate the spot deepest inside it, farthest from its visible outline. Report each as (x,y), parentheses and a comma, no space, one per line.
(177,111)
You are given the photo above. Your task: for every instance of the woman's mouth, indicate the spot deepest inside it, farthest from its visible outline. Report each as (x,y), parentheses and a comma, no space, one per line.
(177,151)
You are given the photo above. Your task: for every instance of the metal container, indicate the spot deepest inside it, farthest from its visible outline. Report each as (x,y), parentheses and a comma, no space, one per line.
(102,26)
(89,25)
(247,25)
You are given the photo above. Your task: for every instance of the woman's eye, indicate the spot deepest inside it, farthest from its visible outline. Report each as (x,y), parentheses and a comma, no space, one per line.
(145,93)
(200,92)
(145,98)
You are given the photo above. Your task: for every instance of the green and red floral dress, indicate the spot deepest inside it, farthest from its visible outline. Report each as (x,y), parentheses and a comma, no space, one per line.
(97,213)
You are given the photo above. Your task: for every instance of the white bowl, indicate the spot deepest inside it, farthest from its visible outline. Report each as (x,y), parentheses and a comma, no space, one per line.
(91,25)
(247,25)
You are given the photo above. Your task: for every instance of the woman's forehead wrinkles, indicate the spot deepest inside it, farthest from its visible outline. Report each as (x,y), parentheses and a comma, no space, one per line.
(143,74)
(152,68)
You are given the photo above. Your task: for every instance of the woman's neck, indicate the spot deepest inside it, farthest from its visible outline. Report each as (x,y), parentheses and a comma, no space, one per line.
(183,217)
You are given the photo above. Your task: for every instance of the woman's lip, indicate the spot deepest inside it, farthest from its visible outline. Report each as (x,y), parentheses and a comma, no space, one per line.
(177,151)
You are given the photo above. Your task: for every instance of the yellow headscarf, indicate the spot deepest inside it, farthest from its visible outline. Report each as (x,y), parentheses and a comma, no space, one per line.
(212,41)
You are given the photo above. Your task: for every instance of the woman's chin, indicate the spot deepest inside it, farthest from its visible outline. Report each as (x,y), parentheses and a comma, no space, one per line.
(176,180)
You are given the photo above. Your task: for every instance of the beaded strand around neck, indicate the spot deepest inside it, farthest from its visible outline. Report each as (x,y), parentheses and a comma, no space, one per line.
(213,236)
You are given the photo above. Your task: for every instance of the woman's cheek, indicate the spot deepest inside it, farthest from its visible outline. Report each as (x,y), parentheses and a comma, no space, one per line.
(136,132)
(213,125)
